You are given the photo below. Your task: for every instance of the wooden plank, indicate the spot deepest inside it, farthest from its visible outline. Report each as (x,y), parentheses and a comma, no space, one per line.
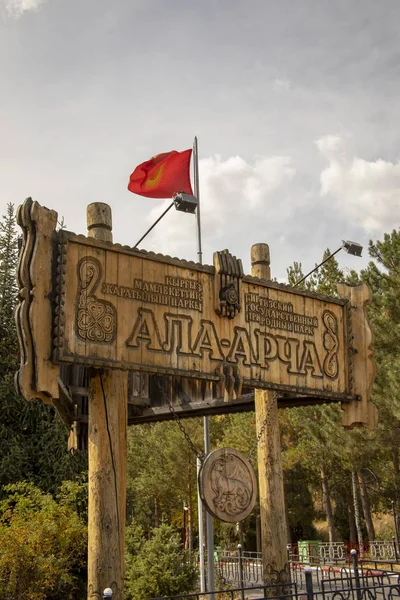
(37,376)
(360,412)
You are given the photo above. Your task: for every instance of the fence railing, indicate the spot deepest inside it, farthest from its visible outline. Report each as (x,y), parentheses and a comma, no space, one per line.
(325,559)
(326,552)
(355,582)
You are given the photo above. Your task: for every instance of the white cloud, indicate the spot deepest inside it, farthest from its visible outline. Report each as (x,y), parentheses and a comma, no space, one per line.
(232,193)
(16,8)
(282,85)
(366,191)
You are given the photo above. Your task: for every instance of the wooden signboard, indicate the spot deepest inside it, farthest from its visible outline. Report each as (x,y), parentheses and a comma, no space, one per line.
(121,308)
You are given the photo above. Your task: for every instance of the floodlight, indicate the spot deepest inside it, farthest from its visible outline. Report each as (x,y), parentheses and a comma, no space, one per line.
(185,202)
(352,248)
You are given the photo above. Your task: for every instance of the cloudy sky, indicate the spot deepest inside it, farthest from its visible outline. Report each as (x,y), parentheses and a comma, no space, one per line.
(295,104)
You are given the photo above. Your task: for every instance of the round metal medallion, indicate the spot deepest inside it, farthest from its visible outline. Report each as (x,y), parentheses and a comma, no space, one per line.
(228,485)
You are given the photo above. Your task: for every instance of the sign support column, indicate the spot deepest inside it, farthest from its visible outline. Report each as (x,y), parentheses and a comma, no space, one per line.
(270,474)
(108,397)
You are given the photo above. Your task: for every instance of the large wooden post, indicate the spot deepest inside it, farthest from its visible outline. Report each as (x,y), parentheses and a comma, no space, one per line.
(108,398)
(272,501)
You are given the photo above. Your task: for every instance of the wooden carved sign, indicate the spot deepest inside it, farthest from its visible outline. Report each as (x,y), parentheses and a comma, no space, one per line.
(120,308)
(124,309)
(228,485)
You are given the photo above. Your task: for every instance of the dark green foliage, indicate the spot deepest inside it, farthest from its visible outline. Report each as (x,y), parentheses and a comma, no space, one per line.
(157,566)
(8,291)
(34,439)
(328,276)
(34,442)
(161,472)
(301,509)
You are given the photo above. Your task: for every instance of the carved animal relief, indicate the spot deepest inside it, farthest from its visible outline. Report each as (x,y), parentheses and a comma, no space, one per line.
(228,485)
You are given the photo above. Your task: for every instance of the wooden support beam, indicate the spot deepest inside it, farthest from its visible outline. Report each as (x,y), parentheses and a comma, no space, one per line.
(64,404)
(107,483)
(270,474)
(108,417)
(148,414)
(193,409)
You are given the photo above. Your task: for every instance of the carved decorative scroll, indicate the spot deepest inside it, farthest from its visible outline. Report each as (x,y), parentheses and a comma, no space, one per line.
(37,376)
(228,275)
(360,412)
(230,384)
(279,579)
(331,344)
(96,320)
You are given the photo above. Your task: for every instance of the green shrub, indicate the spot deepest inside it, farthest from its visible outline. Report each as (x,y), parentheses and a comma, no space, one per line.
(42,544)
(158,566)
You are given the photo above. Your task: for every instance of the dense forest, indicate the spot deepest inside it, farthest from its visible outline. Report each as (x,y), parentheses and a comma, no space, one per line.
(339,484)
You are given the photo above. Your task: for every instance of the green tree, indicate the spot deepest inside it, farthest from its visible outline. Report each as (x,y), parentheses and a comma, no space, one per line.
(316,437)
(162,473)
(34,439)
(383,277)
(43,544)
(157,566)
(8,290)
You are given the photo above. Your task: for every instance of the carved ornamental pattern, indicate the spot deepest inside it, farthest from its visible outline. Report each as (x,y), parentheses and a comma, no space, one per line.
(228,485)
(228,275)
(331,344)
(96,320)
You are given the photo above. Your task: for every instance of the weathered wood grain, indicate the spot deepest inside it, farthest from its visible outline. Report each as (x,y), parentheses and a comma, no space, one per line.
(270,473)
(131,310)
(107,438)
(360,412)
(37,375)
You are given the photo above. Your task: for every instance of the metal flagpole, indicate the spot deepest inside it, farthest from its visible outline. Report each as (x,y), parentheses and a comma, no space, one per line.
(197,194)
(209,521)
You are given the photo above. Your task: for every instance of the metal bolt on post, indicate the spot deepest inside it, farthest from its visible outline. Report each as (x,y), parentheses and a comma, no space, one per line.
(309,582)
(107,593)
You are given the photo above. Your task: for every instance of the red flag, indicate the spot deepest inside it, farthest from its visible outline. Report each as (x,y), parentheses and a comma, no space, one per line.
(163,175)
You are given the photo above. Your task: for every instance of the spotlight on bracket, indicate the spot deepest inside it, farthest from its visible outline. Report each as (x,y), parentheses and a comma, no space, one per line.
(185,202)
(352,248)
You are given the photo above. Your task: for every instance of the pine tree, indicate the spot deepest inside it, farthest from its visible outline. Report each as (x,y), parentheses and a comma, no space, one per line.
(34,439)
(383,276)
(8,291)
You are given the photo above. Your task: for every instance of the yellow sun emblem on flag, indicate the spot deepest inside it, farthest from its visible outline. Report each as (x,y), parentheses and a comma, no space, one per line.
(154,178)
